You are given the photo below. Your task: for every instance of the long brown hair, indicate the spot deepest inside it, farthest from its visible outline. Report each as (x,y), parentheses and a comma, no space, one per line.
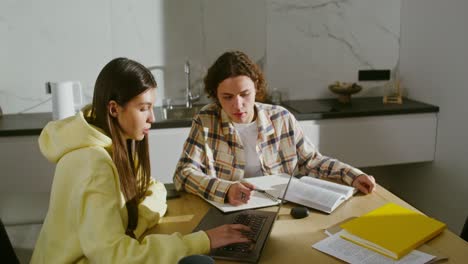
(121,80)
(233,64)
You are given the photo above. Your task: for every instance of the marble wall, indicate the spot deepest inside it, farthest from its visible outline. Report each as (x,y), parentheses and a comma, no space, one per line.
(52,40)
(311,44)
(201,30)
(302,45)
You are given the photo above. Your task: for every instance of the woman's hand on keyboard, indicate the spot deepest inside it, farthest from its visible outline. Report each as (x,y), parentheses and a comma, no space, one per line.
(239,193)
(228,234)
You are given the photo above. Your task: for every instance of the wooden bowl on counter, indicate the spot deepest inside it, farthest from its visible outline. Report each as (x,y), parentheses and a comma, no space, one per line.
(344,90)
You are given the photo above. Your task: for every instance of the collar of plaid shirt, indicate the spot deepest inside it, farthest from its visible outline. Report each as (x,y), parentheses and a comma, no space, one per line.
(265,128)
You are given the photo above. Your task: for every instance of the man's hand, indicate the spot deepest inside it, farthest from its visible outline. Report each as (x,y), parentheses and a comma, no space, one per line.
(364,183)
(239,193)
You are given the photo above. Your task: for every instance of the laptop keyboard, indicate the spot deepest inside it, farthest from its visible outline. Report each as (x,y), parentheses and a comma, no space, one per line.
(260,223)
(255,222)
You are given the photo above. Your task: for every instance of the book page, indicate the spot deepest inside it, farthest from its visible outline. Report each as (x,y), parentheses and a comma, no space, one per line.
(313,196)
(340,248)
(347,191)
(362,242)
(274,184)
(310,194)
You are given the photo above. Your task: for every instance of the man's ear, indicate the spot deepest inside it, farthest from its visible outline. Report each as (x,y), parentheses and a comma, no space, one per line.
(113,108)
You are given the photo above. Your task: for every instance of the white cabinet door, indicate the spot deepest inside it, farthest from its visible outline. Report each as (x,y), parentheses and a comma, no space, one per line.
(165,149)
(26,180)
(359,141)
(23,167)
(377,140)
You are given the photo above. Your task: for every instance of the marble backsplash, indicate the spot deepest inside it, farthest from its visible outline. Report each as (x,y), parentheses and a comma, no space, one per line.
(301,45)
(311,44)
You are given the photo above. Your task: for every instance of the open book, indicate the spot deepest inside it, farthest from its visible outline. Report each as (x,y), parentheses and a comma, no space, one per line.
(319,194)
(315,193)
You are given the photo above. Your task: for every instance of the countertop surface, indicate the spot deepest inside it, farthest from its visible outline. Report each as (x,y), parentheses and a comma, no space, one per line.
(359,107)
(311,109)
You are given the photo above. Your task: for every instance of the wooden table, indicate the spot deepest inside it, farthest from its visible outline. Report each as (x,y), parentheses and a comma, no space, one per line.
(291,239)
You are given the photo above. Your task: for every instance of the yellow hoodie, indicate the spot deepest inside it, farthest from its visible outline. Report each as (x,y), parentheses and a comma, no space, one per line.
(87,217)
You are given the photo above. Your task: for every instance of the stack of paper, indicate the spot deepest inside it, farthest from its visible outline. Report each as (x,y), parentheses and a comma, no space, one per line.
(391,230)
(347,251)
(350,252)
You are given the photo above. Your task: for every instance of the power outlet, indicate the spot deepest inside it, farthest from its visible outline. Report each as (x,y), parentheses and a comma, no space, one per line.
(374,75)
(48,89)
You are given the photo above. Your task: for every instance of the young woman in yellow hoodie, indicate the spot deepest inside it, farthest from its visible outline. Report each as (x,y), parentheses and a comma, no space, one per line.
(103,198)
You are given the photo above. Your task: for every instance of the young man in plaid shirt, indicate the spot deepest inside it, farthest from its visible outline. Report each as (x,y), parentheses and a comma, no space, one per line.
(238,137)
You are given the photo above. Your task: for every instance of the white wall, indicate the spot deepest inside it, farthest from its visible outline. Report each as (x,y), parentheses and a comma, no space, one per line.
(303,45)
(55,40)
(201,30)
(434,56)
(311,44)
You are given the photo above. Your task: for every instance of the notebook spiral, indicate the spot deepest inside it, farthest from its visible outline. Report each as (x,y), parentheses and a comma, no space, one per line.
(266,194)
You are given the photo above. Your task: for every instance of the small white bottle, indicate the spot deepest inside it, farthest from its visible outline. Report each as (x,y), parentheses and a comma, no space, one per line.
(276,96)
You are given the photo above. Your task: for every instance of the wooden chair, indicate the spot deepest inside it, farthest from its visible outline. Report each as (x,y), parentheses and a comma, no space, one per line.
(464,233)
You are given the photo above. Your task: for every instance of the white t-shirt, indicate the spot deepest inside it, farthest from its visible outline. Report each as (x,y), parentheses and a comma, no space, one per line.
(249,134)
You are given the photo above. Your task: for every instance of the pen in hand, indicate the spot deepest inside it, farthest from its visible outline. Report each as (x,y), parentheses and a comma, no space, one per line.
(268,195)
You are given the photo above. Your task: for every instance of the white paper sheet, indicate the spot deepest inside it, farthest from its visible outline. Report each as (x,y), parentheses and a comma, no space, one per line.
(340,248)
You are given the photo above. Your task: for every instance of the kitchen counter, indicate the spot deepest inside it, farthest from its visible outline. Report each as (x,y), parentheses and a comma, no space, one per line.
(312,109)
(23,124)
(363,106)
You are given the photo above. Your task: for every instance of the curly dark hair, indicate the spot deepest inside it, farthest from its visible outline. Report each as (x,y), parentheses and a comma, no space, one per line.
(233,64)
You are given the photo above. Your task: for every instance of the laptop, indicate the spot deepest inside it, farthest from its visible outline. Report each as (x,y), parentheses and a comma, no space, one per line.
(261,223)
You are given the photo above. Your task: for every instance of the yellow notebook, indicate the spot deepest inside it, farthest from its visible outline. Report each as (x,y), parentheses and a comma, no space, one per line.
(391,230)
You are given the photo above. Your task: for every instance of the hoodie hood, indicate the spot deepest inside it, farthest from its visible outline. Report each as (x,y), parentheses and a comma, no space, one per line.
(63,136)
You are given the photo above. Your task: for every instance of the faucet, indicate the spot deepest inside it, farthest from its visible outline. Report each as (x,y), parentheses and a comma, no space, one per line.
(189,98)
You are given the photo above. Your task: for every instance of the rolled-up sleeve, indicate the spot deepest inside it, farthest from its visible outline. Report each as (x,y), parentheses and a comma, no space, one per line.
(314,163)
(191,171)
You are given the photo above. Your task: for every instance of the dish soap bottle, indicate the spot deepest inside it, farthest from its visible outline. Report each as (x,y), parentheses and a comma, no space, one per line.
(276,96)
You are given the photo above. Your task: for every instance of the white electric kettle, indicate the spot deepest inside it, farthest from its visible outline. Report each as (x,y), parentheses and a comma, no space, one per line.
(64,97)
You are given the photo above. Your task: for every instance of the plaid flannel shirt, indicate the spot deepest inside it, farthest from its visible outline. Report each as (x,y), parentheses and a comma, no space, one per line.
(213,156)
